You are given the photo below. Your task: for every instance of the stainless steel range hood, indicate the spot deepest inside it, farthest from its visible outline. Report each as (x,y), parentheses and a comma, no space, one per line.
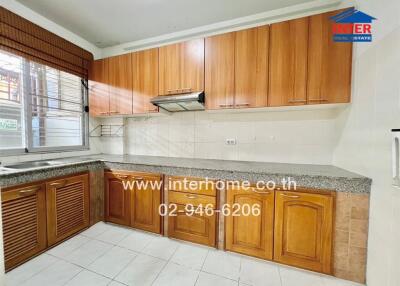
(180,102)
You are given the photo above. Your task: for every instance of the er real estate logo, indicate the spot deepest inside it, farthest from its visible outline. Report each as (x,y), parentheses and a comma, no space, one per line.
(352,25)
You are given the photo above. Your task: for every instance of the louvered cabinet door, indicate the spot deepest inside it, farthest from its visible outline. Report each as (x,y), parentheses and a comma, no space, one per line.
(24,223)
(67,207)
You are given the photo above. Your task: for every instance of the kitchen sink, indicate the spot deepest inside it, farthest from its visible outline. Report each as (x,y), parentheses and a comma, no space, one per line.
(30,165)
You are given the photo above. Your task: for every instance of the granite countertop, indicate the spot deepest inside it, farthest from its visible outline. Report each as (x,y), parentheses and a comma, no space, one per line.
(306,175)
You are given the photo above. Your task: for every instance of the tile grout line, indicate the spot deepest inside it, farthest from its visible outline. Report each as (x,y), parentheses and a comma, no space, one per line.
(201,268)
(167,261)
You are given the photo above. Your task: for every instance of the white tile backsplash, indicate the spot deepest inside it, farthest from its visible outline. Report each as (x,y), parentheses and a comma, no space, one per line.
(307,136)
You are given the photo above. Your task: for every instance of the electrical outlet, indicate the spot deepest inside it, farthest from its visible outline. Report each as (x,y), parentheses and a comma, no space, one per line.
(230,141)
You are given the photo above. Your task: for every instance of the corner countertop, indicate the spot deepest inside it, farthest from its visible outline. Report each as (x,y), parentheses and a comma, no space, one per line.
(306,175)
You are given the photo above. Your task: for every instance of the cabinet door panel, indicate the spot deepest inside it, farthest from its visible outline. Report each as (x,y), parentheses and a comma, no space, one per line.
(303,230)
(192,65)
(145,204)
(288,63)
(195,228)
(170,69)
(117,199)
(120,81)
(99,92)
(67,207)
(253,234)
(220,71)
(251,67)
(145,80)
(329,63)
(24,223)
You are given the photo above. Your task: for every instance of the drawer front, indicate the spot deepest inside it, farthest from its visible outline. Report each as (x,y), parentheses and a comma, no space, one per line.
(195,228)
(193,185)
(188,198)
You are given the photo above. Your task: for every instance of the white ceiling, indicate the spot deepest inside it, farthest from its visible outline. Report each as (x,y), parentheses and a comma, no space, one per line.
(107,23)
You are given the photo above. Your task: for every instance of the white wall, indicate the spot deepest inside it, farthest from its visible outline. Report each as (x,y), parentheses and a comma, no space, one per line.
(285,136)
(364,144)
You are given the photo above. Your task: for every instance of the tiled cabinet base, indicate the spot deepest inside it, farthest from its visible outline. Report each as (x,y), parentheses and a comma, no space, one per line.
(350,236)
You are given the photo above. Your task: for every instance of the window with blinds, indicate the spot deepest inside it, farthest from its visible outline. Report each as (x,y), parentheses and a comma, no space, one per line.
(11,102)
(41,108)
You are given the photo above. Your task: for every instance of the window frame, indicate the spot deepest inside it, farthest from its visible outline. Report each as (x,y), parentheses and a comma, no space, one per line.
(27,119)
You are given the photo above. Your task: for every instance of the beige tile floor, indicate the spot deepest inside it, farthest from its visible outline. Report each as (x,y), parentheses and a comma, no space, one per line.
(107,254)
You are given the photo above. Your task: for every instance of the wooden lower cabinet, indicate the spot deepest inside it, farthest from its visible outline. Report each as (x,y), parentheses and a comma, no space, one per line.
(138,204)
(67,201)
(145,202)
(250,234)
(303,230)
(117,209)
(200,226)
(24,223)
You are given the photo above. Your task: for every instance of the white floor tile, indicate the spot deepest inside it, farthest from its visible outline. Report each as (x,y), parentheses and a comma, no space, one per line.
(161,247)
(206,279)
(87,278)
(112,262)
(96,230)
(189,255)
(115,283)
(294,277)
(176,275)
(332,281)
(88,252)
(114,235)
(28,269)
(137,240)
(222,264)
(142,271)
(68,246)
(257,272)
(57,274)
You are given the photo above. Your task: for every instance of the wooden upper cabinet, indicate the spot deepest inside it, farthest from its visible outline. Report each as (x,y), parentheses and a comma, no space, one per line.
(169,69)
(145,80)
(252,234)
(192,65)
(99,93)
(120,81)
(145,203)
(288,63)
(24,223)
(251,67)
(117,199)
(329,63)
(67,207)
(303,230)
(220,71)
(181,67)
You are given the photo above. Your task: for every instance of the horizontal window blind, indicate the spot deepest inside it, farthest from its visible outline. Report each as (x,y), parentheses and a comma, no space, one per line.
(22,37)
(11,102)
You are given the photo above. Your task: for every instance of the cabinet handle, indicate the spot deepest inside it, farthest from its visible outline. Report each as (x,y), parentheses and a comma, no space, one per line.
(290,196)
(191,196)
(225,105)
(243,104)
(296,100)
(317,99)
(103,113)
(114,112)
(29,191)
(261,191)
(57,184)
(122,176)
